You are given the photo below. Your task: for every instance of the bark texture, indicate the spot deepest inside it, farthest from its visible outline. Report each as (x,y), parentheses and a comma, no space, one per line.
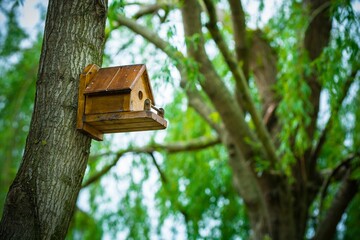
(344,195)
(42,198)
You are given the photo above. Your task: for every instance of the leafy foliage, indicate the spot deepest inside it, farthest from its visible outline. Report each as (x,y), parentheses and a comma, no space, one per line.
(18,69)
(14,33)
(288,31)
(145,193)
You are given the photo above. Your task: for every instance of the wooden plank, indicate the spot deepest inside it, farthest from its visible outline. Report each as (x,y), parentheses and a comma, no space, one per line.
(126,121)
(137,129)
(121,121)
(139,93)
(127,116)
(115,79)
(85,77)
(92,132)
(101,80)
(128,127)
(126,77)
(107,103)
(118,115)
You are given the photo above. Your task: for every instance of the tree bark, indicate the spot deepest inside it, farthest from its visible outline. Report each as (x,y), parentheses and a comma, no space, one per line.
(42,198)
(317,37)
(346,192)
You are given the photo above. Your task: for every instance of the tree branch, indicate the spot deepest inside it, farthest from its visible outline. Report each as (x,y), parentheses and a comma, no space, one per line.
(162,174)
(345,164)
(198,103)
(241,84)
(343,197)
(231,114)
(241,152)
(329,124)
(264,83)
(153,9)
(216,90)
(104,171)
(316,38)
(225,51)
(239,28)
(263,64)
(247,186)
(175,201)
(153,38)
(318,31)
(192,145)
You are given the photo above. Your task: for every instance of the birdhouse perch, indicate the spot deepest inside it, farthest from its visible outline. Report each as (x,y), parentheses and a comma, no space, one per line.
(117,99)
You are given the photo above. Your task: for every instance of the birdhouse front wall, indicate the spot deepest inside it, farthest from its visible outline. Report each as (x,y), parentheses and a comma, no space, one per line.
(139,94)
(107,103)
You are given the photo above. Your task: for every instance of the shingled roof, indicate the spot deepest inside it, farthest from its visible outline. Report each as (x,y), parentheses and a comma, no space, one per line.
(118,79)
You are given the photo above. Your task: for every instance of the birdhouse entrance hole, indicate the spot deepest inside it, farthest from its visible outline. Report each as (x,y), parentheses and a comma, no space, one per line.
(117,99)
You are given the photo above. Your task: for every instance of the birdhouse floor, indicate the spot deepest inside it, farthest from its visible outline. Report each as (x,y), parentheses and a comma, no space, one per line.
(97,124)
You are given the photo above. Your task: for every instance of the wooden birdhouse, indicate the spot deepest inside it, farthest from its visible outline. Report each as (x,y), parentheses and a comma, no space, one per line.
(117,99)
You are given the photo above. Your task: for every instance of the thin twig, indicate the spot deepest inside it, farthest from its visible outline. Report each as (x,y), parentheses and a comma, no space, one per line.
(323,136)
(323,192)
(185,146)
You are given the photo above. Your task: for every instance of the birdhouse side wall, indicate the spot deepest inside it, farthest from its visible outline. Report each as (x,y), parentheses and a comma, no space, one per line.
(107,103)
(139,93)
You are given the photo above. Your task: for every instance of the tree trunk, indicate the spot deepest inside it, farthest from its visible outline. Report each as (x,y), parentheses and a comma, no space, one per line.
(42,198)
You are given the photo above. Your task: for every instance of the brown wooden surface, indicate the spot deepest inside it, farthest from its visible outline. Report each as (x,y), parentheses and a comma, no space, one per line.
(85,77)
(137,103)
(126,121)
(102,80)
(92,132)
(107,103)
(118,79)
(127,77)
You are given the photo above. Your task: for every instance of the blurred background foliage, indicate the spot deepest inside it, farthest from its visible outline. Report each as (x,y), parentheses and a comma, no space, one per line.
(134,188)
(18,69)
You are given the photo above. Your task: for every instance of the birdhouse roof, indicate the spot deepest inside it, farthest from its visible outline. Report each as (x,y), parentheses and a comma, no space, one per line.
(120,79)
